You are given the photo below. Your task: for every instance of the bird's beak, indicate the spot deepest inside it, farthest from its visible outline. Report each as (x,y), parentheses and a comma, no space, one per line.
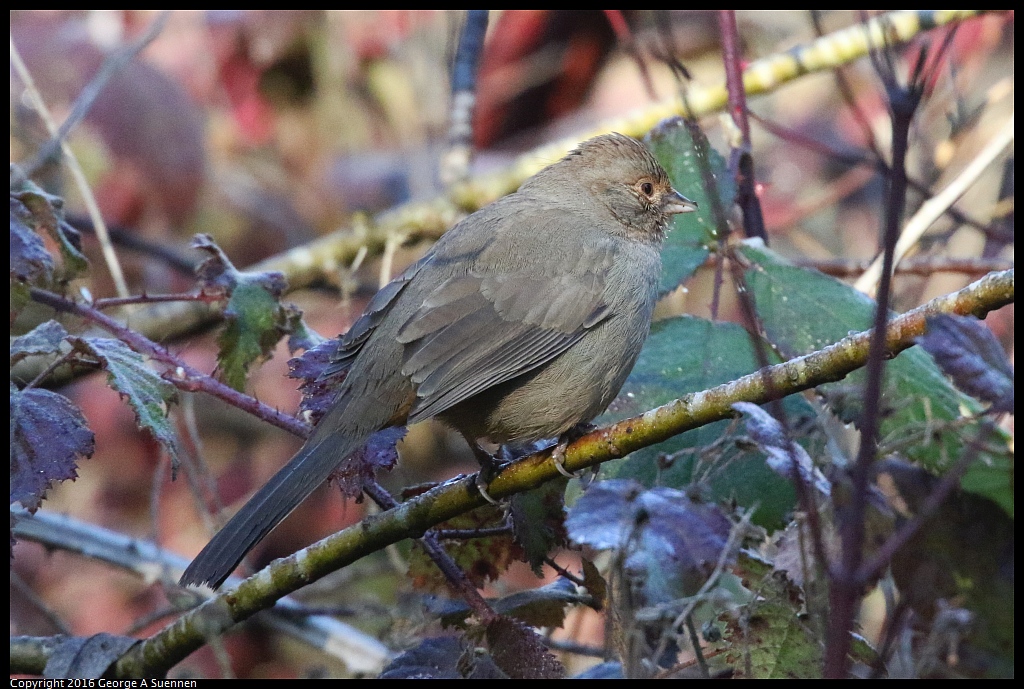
(674,202)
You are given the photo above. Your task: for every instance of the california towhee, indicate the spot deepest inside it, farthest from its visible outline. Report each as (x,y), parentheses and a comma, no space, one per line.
(521,322)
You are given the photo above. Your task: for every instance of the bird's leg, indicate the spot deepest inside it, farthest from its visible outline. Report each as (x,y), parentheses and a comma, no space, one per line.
(570,436)
(489,468)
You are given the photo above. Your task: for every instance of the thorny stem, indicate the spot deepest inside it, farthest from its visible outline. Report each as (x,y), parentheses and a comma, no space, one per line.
(741,163)
(845,590)
(457,579)
(181,375)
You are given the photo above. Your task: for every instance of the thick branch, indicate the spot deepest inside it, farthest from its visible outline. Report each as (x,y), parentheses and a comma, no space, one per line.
(412,518)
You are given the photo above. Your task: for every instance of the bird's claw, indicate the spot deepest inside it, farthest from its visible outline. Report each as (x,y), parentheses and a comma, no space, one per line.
(558,455)
(481,486)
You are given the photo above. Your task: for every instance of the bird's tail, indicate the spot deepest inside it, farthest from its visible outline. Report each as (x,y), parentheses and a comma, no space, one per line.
(268,507)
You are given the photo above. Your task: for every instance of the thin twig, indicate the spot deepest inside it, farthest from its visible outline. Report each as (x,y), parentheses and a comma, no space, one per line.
(851,157)
(758,339)
(84,102)
(53,366)
(130,239)
(562,571)
(741,162)
(457,579)
(932,209)
(921,265)
(467,534)
(845,591)
(20,586)
(112,302)
(847,93)
(626,41)
(109,255)
(698,654)
(360,651)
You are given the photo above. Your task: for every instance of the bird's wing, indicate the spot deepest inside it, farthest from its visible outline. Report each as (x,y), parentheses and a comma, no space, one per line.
(478,330)
(352,341)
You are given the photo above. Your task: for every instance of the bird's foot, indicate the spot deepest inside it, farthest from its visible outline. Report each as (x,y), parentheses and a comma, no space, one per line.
(570,436)
(558,455)
(481,487)
(489,468)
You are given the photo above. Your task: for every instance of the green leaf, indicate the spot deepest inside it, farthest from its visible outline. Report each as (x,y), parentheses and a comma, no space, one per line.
(688,354)
(147,393)
(255,323)
(255,318)
(771,639)
(538,517)
(688,243)
(962,557)
(804,310)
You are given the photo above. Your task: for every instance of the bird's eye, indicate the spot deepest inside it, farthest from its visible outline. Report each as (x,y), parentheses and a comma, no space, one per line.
(647,188)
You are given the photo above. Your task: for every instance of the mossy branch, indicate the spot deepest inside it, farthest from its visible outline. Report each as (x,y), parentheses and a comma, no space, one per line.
(414,517)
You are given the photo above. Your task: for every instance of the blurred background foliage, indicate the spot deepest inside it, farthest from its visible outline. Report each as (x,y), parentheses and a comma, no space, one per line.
(267,130)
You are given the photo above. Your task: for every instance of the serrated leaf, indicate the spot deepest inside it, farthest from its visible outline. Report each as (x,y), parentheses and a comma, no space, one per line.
(772,639)
(44,339)
(969,353)
(670,544)
(379,453)
(804,310)
(482,559)
(538,521)
(46,213)
(519,651)
(255,319)
(147,393)
(687,244)
(48,436)
(255,324)
(688,354)
(30,261)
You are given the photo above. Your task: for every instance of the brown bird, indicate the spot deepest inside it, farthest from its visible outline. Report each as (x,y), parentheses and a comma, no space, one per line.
(523,321)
